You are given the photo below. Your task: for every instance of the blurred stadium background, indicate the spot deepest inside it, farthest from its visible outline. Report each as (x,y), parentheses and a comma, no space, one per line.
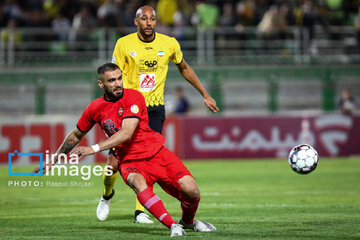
(281,62)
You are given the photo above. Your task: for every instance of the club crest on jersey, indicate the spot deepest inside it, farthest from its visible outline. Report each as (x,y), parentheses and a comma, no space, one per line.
(120,111)
(133,54)
(134,109)
(160,53)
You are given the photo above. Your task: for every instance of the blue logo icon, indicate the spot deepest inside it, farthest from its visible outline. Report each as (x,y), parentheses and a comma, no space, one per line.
(40,155)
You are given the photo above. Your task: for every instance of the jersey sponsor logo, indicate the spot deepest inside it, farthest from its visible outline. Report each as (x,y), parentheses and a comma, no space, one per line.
(148,48)
(160,53)
(134,109)
(120,111)
(147,82)
(150,64)
(133,54)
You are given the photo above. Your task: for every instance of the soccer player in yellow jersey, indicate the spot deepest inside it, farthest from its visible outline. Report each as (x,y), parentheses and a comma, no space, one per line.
(143,58)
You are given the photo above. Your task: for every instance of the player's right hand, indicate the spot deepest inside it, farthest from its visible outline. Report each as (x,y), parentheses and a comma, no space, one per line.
(211,104)
(37,169)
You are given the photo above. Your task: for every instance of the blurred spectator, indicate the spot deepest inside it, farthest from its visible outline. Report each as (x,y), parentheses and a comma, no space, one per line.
(206,15)
(182,105)
(228,17)
(37,19)
(108,13)
(10,33)
(3,18)
(128,13)
(165,11)
(53,7)
(284,19)
(179,26)
(61,26)
(335,15)
(305,17)
(357,27)
(34,4)
(261,7)
(245,15)
(346,103)
(186,7)
(269,27)
(181,20)
(82,25)
(12,10)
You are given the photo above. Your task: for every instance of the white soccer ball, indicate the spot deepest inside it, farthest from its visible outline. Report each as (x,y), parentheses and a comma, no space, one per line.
(303,159)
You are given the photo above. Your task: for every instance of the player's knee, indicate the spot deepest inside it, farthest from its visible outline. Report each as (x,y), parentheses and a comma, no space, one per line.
(113,163)
(189,188)
(190,192)
(137,182)
(114,168)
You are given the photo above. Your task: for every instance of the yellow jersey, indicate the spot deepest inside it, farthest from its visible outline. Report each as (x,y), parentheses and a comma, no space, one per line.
(144,65)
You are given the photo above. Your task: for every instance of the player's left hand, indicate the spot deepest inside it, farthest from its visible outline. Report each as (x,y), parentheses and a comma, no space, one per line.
(82,151)
(211,104)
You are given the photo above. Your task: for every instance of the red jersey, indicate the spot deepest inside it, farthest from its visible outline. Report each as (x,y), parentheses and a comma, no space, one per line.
(109,115)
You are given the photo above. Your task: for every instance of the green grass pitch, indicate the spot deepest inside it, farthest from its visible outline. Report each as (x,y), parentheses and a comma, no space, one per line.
(248,199)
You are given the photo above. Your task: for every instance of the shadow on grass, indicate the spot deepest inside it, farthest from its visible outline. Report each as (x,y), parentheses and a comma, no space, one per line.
(121,217)
(136,229)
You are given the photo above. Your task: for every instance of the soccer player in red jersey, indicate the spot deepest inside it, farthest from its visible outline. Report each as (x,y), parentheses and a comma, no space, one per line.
(143,160)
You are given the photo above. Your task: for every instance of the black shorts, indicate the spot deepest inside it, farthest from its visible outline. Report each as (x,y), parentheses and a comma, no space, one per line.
(156,117)
(156,120)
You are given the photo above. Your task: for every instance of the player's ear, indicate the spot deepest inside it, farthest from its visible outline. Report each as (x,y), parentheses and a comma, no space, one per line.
(100,83)
(135,21)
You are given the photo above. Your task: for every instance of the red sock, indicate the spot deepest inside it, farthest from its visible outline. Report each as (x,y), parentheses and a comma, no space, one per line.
(155,206)
(189,208)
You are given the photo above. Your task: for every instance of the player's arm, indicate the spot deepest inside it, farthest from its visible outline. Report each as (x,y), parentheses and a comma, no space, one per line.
(70,141)
(122,136)
(188,73)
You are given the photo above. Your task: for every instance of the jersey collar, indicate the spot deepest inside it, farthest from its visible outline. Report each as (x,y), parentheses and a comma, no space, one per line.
(147,41)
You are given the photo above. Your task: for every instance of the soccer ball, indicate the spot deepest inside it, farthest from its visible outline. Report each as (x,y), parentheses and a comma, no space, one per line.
(303,159)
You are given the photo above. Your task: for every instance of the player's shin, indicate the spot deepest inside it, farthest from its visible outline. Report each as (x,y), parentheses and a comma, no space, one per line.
(155,206)
(109,182)
(139,207)
(189,208)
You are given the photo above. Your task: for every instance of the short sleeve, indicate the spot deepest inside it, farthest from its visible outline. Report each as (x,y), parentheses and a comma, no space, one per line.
(177,55)
(135,105)
(86,121)
(119,55)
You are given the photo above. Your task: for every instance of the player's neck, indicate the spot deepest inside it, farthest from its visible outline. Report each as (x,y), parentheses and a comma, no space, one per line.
(146,39)
(111,98)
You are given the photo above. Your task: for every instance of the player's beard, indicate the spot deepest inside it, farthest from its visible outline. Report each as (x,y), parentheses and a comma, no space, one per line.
(145,35)
(112,95)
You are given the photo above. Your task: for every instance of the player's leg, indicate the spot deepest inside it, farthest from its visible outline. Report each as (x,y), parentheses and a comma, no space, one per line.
(156,118)
(140,215)
(180,184)
(156,121)
(135,175)
(103,208)
(190,198)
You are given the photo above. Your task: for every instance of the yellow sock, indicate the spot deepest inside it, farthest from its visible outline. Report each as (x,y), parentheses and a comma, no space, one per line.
(139,206)
(109,182)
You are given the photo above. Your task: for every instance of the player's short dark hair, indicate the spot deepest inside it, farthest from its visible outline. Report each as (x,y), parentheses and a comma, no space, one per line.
(106,67)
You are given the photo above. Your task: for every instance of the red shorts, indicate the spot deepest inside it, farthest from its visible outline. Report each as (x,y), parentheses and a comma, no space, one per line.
(165,168)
